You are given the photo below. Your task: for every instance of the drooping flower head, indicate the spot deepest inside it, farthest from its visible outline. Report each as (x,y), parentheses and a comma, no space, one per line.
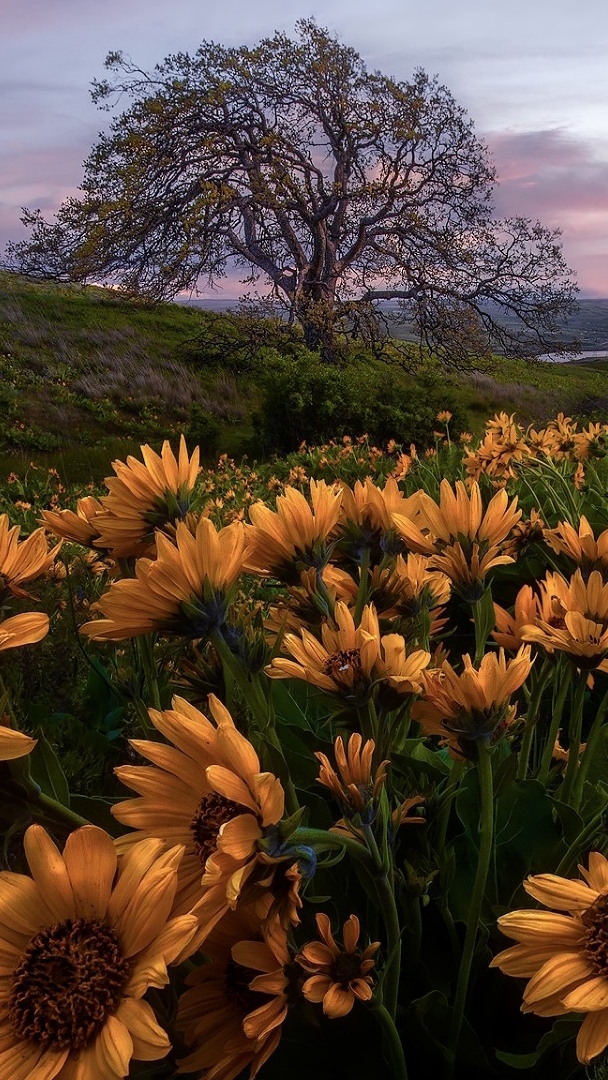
(338,976)
(82,940)
(79,526)
(186,590)
(474,705)
(296,536)
(146,496)
(564,952)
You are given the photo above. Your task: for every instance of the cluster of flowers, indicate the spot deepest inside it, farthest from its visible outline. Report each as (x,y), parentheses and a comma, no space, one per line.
(363,582)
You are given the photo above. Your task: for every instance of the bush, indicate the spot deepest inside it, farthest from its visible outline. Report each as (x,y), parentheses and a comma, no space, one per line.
(305,399)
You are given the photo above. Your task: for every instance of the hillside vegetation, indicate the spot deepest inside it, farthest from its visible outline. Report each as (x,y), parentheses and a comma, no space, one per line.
(86,375)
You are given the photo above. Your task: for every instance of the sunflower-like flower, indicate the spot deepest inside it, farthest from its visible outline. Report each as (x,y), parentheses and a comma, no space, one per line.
(79,526)
(338,976)
(353,786)
(578,625)
(14,744)
(366,520)
(563,951)
(529,606)
(474,705)
(81,944)
(145,497)
(463,541)
(295,537)
(205,791)
(349,659)
(580,546)
(21,561)
(233,1010)
(186,590)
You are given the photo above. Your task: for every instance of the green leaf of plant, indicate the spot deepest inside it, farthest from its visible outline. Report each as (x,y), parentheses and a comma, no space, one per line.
(47,771)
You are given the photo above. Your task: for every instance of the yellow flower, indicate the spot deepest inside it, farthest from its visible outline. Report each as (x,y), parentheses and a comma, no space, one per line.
(205,791)
(226,1028)
(81,942)
(21,560)
(185,590)
(528,607)
(463,541)
(474,705)
(563,951)
(79,526)
(144,497)
(339,977)
(580,545)
(578,625)
(354,788)
(296,536)
(14,744)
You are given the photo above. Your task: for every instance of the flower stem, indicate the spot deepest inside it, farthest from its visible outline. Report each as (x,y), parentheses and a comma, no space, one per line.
(486,828)
(592,740)
(574,739)
(391,1042)
(582,841)
(58,810)
(539,685)
(556,719)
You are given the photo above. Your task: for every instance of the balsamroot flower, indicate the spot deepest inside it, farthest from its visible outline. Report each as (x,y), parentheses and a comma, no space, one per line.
(232,1016)
(144,497)
(350,658)
(79,526)
(564,952)
(185,590)
(338,976)
(81,943)
(295,537)
(21,561)
(353,785)
(205,791)
(14,744)
(474,705)
(578,625)
(528,607)
(463,541)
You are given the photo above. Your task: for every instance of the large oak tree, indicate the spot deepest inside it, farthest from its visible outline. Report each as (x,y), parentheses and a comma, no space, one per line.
(334,186)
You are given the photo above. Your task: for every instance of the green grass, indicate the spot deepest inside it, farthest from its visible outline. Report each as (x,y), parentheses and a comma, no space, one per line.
(86,376)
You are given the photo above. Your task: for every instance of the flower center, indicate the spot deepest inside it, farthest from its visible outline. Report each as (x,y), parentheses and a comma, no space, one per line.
(596,943)
(346,967)
(69,978)
(236,984)
(344,666)
(213,811)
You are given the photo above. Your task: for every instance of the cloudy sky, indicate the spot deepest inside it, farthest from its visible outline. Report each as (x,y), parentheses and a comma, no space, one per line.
(532,74)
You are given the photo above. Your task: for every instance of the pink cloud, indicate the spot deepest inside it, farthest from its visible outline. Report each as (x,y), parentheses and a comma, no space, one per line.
(559,179)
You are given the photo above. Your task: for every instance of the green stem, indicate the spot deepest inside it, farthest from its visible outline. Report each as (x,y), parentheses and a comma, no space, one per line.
(575,728)
(58,810)
(486,829)
(532,717)
(363,584)
(145,648)
(583,838)
(556,719)
(321,840)
(392,971)
(587,756)
(392,1042)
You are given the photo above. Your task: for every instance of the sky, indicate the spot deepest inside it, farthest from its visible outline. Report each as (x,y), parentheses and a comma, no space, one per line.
(532,75)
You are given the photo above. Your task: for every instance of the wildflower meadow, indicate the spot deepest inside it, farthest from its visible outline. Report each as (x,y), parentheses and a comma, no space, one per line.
(304,766)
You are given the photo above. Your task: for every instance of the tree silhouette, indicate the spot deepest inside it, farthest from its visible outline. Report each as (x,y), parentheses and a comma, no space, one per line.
(333,186)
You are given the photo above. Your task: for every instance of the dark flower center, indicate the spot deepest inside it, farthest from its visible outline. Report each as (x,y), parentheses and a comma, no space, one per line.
(212,812)
(344,666)
(596,943)
(69,979)
(236,984)
(346,967)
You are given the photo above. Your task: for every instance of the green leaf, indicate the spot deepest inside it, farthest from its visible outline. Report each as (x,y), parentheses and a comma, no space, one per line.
(47,771)
(563,1031)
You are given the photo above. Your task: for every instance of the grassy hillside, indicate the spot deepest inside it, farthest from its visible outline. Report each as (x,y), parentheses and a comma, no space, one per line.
(86,376)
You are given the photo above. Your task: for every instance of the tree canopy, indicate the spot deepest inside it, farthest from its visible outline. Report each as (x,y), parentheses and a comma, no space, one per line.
(333,186)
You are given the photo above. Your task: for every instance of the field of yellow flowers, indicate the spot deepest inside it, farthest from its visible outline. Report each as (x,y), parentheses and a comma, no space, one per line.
(304,769)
